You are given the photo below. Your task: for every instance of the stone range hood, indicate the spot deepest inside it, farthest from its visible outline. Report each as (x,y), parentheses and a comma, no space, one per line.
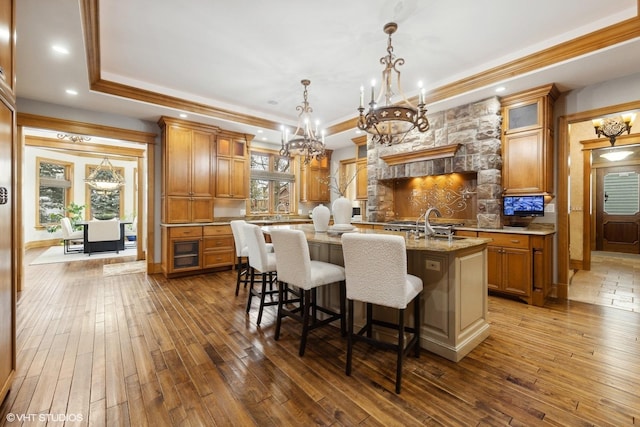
(462,139)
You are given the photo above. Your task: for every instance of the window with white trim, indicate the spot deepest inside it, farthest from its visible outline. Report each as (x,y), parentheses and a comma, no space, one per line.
(272,184)
(55,187)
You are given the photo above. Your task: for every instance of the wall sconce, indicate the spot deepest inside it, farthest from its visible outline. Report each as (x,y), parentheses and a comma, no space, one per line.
(613,127)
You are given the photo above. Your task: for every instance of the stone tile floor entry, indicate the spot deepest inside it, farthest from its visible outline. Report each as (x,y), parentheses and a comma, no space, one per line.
(614,281)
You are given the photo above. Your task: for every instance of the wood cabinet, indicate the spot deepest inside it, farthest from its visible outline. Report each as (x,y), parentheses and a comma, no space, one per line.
(181,249)
(196,249)
(7,44)
(361,167)
(217,246)
(527,141)
(519,265)
(188,171)
(9,201)
(509,268)
(314,178)
(232,166)
(542,248)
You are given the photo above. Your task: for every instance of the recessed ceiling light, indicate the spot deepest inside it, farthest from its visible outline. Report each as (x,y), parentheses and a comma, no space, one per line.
(264,138)
(60,49)
(71,92)
(500,89)
(183,115)
(259,130)
(358,131)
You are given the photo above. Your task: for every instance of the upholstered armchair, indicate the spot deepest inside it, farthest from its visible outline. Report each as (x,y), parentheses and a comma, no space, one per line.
(70,237)
(103,236)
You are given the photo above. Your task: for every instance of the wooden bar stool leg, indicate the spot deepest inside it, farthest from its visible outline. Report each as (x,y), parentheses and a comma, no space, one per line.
(343,308)
(400,350)
(262,295)
(416,325)
(305,321)
(253,276)
(349,336)
(239,268)
(281,293)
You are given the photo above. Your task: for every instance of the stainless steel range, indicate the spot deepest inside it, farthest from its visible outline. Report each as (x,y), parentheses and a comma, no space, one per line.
(444,228)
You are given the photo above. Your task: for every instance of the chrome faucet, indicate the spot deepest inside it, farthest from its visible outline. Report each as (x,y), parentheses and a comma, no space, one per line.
(278,216)
(428,231)
(417,230)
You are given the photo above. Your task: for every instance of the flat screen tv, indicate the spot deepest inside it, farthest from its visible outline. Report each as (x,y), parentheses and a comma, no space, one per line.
(523,205)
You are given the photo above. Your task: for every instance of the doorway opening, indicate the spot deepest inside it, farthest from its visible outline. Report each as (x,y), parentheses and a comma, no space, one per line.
(135,147)
(609,225)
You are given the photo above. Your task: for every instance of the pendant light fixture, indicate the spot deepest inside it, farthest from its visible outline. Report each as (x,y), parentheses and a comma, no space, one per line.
(389,123)
(304,140)
(104,178)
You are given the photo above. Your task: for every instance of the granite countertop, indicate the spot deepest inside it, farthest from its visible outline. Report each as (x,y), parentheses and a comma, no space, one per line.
(429,244)
(227,221)
(536,229)
(512,230)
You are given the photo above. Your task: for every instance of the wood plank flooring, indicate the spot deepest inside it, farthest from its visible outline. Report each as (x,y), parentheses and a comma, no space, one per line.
(133,349)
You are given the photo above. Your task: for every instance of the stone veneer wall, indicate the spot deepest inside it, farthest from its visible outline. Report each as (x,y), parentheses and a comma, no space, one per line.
(477,128)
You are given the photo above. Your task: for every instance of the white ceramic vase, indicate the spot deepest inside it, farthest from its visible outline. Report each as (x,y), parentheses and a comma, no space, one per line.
(321,216)
(341,211)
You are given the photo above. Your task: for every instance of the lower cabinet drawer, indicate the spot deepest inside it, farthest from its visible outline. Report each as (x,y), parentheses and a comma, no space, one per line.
(175,232)
(222,242)
(217,258)
(216,230)
(509,240)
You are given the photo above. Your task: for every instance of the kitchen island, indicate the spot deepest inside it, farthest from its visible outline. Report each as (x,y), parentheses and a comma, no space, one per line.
(454,274)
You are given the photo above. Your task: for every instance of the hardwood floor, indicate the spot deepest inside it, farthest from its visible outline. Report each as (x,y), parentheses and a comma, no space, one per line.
(132,349)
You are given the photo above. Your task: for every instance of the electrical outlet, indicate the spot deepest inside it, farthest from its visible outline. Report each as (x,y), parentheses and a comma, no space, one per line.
(432,265)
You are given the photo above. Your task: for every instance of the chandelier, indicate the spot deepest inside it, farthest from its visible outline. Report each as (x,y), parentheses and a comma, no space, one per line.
(304,140)
(613,127)
(104,178)
(389,122)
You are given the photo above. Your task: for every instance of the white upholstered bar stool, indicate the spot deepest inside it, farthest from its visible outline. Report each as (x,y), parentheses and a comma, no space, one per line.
(295,268)
(242,253)
(376,273)
(264,263)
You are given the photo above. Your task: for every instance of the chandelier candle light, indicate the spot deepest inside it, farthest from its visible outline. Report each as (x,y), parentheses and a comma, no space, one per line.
(613,127)
(304,141)
(390,123)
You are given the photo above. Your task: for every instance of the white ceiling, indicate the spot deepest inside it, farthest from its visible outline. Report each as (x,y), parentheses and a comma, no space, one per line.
(249,56)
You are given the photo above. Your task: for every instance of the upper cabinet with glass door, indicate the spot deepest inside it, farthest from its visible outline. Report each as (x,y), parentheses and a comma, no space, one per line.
(527,141)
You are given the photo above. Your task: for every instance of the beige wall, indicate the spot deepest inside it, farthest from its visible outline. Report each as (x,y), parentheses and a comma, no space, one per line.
(579,132)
